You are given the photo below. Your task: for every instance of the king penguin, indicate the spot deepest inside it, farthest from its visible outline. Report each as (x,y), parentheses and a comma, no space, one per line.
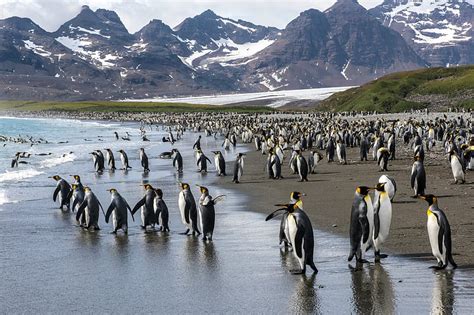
(238,168)
(439,232)
(89,210)
(301,235)
(457,167)
(295,198)
(118,208)
(177,160)
(418,177)
(62,190)
(219,163)
(390,185)
(161,211)
(144,160)
(382,219)
(361,228)
(124,159)
(207,214)
(187,208)
(110,159)
(147,207)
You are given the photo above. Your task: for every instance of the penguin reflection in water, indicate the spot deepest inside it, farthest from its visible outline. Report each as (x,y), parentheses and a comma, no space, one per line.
(207,214)
(439,232)
(118,208)
(301,236)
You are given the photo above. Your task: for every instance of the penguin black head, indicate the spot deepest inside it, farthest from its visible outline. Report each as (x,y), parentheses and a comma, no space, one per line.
(111,190)
(184,186)
(203,189)
(55,177)
(431,199)
(363,190)
(147,186)
(74,186)
(87,188)
(76,177)
(241,155)
(159,193)
(296,195)
(380,186)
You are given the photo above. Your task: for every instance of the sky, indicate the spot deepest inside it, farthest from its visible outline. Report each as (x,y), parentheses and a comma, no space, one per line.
(135,14)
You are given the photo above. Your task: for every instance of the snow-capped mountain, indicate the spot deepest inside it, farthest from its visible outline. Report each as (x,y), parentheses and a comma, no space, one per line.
(341,46)
(441,31)
(93,56)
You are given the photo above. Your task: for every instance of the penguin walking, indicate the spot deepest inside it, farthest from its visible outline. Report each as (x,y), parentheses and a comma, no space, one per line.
(188,210)
(390,186)
(144,160)
(207,214)
(97,161)
(341,152)
(89,210)
(457,167)
(238,168)
(418,177)
(219,163)
(62,191)
(314,160)
(161,211)
(118,208)
(301,235)
(302,167)
(177,160)
(391,146)
(273,165)
(382,219)
(197,144)
(110,160)
(147,207)
(226,144)
(361,228)
(76,193)
(100,160)
(202,162)
(382,159)
(439,232)
(124,159)
(15,160)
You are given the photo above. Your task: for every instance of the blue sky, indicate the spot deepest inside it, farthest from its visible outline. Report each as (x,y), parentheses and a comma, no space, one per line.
(50,14)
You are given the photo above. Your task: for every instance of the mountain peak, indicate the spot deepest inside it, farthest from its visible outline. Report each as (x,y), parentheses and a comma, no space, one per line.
(208,14)
(85,8)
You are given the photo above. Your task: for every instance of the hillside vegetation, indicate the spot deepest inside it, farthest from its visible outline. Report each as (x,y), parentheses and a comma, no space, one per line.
(435,88)
(109,106)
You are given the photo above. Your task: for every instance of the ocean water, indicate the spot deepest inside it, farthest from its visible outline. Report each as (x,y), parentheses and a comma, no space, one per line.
(49,265)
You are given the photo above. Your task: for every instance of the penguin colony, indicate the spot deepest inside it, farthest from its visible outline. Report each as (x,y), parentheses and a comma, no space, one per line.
(279,139)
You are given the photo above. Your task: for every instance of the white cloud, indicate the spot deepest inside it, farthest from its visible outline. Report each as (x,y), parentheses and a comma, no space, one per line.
(50,14)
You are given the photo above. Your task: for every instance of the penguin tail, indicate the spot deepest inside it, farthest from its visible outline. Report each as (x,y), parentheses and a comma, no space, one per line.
(351,256)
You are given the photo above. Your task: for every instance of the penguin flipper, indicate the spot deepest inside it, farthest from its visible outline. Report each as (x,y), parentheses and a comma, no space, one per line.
(138,205)
(376,219)
(56,192)
(364,222)
(109,211)
(80,210)
(74,203)
(129,209)
(187,209)
(414,173)
(275,213)
(298,246)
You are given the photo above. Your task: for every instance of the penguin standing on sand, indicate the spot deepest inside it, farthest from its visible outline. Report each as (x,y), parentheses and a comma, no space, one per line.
(219,163)
(89,210)
(188,210)
(361,228)
(382,219)
(147,207)
(457,167)
(364,148)
(161,211)
(118,208)
(124,159)
(144,160)
(302,166)
(382,159)
(314,160)
(177,160)
(301,235)
(62,190)
(341,152)
(202,162)
(439,232)
(273,165)
(110,160)
(418,177)
(238,168)
(391,146)
(330,150)
(390,186)
(207,214)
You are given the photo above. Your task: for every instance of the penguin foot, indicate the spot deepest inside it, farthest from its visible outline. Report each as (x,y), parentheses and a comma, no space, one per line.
(297,271)
(185,233)
(437,267)
(143,227)
(362,261)
(113,232)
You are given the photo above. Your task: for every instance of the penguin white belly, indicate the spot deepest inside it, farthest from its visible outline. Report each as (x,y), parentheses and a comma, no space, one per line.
(115,219)
(142,214)
(122,158)
(239,172)
(456,167)
(216,163)
(200,218)
(182,205)
(292,229)
(226,144)
(280,155)
(385,217)
(87,213)
(433,230)
(274,167)
(338,152)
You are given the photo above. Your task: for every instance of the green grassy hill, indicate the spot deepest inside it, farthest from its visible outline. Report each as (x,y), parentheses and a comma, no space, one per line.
(435,88)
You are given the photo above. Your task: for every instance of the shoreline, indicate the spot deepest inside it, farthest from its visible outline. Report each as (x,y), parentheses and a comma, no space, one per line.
(330,194)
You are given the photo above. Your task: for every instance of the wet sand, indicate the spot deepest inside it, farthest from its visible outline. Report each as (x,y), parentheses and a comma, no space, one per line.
(330,194)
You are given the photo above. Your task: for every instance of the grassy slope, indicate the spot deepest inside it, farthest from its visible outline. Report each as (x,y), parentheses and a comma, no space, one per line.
(104,106)
(389,93)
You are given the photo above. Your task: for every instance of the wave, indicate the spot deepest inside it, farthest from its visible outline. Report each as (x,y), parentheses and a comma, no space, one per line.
(4,198)
(50,162)
(19,175)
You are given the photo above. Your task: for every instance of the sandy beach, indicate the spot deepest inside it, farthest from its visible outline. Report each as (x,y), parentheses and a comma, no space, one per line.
(330,194)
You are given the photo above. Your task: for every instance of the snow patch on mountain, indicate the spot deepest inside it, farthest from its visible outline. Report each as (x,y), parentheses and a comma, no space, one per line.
(84,30)
(37,49)
(227,21)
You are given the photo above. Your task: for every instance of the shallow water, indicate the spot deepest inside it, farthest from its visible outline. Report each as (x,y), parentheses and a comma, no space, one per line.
(48,264)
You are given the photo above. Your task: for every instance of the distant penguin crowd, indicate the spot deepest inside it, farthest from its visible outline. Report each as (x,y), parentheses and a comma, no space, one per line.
(302,141)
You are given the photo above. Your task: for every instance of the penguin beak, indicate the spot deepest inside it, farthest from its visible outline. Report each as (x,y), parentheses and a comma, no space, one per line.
(422,197)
